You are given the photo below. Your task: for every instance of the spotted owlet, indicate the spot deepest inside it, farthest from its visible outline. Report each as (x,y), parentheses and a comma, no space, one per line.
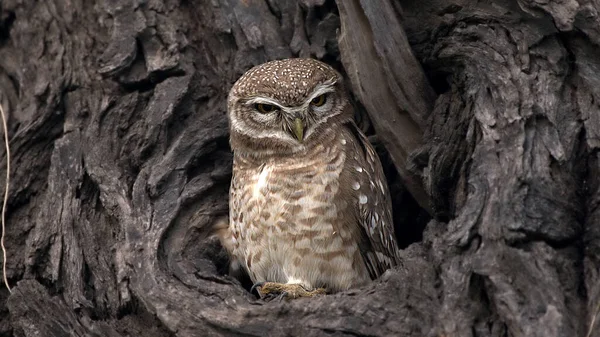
(309,207)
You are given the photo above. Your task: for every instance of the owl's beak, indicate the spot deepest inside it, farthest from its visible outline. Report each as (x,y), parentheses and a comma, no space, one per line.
(299,129)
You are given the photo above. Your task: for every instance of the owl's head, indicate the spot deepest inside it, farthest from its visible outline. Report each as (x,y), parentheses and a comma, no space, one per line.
(284,107)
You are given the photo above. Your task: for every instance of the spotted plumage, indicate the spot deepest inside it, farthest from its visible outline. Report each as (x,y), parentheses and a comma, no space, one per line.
(309,205)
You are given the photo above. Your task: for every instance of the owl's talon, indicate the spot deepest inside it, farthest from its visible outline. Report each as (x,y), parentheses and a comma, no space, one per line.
(256,287)
(268,290)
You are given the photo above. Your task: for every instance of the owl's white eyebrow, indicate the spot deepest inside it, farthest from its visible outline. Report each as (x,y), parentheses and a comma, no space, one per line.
(322,89)
(262,100)
(319,90)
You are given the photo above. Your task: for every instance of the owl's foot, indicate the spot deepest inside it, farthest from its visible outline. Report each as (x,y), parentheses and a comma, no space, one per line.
(270,290)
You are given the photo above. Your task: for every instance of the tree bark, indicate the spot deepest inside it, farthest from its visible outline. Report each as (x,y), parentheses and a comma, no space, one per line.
(488,113)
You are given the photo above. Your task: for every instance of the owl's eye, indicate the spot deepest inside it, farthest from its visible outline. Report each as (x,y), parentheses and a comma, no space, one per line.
(265,108)
(319,100)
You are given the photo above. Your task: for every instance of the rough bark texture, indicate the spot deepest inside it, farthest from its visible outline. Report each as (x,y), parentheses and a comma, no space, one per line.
(489,114)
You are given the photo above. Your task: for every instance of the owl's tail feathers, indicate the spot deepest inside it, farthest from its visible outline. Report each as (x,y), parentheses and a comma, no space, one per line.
(221,230)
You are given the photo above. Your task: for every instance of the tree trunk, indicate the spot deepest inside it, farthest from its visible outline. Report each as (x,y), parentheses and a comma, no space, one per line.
(489,117)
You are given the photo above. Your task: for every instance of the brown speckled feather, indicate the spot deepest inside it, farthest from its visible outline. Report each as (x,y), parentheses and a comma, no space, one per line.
(367,185)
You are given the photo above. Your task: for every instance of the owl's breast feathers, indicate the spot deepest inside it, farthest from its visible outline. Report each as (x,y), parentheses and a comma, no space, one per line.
(322,219)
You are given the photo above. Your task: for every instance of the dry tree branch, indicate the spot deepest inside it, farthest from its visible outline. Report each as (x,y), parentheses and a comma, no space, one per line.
(5,199)
(593,322)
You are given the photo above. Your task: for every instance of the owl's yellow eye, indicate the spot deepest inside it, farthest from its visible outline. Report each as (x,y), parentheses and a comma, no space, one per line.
(319,100)
(265,108)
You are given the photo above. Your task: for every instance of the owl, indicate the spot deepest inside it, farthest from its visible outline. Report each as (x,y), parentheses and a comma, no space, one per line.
(310,210)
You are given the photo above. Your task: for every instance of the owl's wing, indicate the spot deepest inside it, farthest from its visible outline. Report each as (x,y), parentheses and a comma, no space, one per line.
(374,212)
